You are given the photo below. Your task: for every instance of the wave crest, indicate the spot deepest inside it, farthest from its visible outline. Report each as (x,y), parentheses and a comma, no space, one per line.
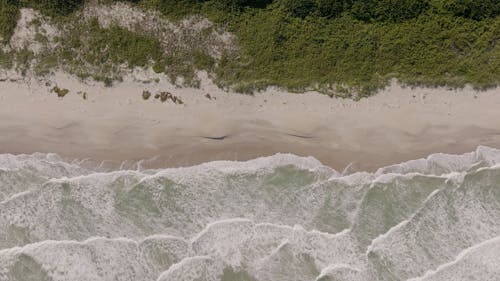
(254,220)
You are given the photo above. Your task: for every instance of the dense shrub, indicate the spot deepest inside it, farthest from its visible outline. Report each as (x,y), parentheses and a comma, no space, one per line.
(54,7)
(298,8)
(332,8)
(388,10)
(9,14)
(431,50)
(296,44)
(473,9)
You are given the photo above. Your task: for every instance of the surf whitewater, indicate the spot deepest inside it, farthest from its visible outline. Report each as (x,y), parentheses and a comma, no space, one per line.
(275,218)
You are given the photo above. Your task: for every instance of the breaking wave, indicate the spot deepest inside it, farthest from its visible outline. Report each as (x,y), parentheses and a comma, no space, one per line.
(274,218)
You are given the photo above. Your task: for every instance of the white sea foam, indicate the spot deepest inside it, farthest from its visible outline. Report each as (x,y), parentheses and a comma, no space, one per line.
(485,260)
(281,217)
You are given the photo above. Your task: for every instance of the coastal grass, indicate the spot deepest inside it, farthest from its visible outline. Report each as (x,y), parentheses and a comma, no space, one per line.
(89,50)
(348,48)
(6,61)
(352,48)
(328,54)
(9,13)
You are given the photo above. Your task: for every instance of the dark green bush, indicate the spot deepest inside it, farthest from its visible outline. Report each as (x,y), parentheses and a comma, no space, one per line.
(388,10)
(295,44)
(298,8)
(473,9)
(239,5)
(54,7)
(297,54)
(332,8)
(9,13)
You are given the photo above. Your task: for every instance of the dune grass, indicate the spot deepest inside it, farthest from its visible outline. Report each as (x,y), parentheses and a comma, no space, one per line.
(330,53)
(347,48)
(9,14)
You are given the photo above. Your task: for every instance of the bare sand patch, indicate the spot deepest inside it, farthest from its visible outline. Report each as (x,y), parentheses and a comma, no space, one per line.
(118,124)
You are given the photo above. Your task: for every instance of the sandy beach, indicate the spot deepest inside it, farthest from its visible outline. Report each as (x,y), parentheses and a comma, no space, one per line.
(116,124)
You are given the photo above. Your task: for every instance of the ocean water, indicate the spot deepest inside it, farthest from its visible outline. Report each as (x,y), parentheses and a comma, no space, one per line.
(277,218)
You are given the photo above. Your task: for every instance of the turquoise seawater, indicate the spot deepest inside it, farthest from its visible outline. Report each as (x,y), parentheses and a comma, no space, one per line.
(277,218)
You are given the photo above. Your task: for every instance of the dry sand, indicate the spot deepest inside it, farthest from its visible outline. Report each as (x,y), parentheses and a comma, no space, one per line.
(116,124)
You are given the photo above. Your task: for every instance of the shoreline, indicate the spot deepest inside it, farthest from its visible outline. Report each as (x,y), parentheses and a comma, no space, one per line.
(117,124)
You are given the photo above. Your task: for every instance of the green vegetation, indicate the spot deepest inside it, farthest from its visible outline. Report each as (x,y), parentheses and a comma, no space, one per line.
(5,60)
(146,95)
(53,7)
(87,49)
(343,45)
(430,50)
(61,92)
(93,51)
(361,45)
(9,14)
(338,47)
